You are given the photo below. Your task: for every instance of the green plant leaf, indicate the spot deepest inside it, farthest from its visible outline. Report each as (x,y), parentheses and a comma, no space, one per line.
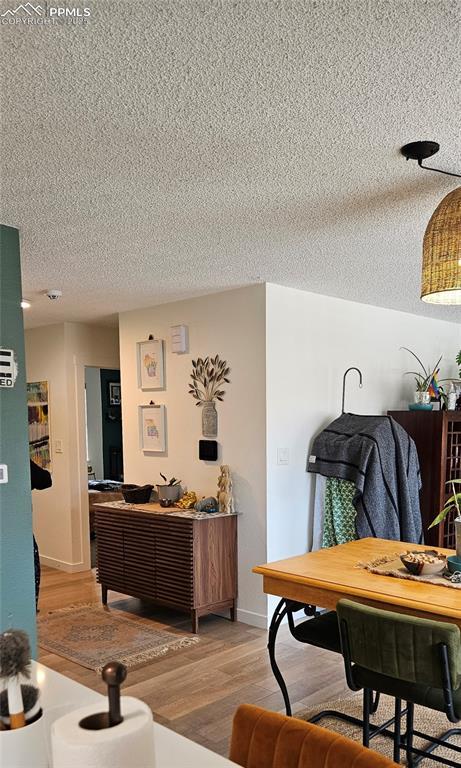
(440,517)
(416,358)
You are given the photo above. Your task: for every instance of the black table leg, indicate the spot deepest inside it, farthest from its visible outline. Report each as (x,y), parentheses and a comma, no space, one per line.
(277,618)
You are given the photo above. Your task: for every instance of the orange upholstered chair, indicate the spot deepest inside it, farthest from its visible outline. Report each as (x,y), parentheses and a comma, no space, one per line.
(262,739)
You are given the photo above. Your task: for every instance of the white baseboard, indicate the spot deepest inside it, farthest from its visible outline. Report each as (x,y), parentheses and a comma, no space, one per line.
(250,617)
(61,565)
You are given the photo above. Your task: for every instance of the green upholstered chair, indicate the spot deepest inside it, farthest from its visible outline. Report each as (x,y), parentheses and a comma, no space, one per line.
(320,630)
(414,660)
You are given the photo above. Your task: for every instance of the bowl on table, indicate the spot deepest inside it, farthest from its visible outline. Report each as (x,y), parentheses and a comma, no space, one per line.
(454,563)
(424,563)
(136,494)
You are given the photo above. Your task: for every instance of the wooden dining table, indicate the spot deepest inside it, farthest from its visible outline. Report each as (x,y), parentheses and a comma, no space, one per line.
(322,578)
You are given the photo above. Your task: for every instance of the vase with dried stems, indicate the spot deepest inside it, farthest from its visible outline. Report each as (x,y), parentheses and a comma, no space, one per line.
(208,376)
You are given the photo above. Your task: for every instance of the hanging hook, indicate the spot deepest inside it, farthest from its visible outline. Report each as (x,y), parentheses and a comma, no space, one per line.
(353,368)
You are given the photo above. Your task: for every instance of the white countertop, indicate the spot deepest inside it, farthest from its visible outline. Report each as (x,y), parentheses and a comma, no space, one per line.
(60,695)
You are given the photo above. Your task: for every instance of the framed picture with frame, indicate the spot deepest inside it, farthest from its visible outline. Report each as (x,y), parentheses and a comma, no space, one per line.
(39,423)
(150,364)
(152,433)
(115,393)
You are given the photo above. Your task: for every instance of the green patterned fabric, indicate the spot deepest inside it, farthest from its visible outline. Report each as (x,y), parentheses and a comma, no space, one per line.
(339,512)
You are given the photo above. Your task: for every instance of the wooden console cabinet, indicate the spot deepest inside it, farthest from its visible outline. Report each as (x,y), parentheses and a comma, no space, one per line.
(185,562)
(437,436)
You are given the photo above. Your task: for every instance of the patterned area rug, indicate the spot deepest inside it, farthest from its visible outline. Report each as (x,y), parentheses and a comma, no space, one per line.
(426,720)
(91,636)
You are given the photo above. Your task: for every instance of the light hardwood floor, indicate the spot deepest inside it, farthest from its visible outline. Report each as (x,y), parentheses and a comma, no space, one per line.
(195,691)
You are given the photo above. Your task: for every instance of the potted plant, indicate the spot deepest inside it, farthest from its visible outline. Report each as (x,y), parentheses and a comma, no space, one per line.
(453,504)
(423,380)
(208,375)
(170,489)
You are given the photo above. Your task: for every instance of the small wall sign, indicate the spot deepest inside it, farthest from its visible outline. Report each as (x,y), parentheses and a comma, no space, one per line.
(8,368)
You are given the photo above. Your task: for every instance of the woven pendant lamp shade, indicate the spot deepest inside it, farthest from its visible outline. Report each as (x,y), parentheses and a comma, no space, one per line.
(441,280)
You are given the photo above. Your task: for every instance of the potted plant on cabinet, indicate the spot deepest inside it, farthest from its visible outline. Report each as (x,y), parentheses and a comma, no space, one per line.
(170,490)
(426,383)
(453,504)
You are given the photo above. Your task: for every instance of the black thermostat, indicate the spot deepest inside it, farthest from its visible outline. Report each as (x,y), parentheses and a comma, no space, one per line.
(208,450)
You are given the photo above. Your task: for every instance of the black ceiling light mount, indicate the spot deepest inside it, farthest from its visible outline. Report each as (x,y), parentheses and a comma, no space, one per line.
(421,150)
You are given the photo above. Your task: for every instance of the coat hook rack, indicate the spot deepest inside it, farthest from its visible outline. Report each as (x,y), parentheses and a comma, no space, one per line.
(353,368)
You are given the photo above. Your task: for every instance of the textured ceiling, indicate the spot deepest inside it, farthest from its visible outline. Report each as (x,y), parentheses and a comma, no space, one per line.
(168,149)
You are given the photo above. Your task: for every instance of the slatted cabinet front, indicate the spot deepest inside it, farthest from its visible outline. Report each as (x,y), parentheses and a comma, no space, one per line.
(179,562)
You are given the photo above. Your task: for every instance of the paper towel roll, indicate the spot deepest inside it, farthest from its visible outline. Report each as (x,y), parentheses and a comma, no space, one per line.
(128,745)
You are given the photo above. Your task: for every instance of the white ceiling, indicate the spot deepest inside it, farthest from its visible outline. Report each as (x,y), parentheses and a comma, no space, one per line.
(177,147)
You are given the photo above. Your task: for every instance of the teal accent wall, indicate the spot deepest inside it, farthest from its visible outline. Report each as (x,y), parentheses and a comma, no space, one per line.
(17,590)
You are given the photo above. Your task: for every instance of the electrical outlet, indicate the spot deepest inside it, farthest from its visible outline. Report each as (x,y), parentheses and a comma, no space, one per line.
(3,473)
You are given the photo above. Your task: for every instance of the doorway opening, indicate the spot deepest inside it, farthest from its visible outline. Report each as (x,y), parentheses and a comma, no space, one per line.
(104,448)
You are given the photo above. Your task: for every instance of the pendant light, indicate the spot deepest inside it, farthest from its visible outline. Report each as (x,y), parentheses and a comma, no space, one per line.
(441,274)
(441,278)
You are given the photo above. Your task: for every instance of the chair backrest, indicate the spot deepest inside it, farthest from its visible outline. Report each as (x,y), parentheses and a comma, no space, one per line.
(262,739)
(399,646)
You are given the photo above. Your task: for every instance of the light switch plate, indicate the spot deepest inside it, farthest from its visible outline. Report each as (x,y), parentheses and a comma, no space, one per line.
(3,473)
(283,456)
(58,446)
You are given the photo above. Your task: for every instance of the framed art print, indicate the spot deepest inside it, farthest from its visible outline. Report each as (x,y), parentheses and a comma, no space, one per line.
(150,364)
(115,396)
(152,428)
(38,411)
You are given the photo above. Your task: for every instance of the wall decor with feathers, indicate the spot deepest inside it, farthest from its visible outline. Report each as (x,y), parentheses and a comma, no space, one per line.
(209,374)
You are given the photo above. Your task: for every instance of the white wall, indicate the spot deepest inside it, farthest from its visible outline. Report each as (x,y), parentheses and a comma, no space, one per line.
(311,341)
(231,324)
(94,420)
(45,361)
(59,354)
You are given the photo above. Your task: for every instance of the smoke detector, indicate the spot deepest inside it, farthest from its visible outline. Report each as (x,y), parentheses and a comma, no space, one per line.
(54,294)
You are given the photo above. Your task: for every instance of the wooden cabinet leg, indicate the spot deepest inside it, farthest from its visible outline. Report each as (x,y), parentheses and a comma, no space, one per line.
(233,612)
(104,594)
(194,620)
